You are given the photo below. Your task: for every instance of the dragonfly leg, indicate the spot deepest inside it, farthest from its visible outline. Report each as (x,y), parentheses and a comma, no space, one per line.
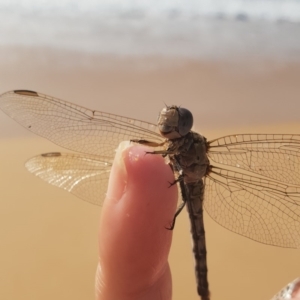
(180,178)
(184,199)
(178,211)
(164,153)
(148,143)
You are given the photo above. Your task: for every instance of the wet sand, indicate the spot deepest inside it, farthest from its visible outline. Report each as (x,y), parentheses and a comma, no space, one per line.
(49,237)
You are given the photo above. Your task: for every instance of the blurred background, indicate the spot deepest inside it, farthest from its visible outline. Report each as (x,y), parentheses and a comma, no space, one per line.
(235,64)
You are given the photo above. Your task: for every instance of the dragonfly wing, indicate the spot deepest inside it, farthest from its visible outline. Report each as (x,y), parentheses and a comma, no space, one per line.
(255,207)
(276,156)
(72,126)
(84,176)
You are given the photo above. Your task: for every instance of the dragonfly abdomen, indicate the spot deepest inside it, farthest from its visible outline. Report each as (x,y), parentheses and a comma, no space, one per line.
(195,209)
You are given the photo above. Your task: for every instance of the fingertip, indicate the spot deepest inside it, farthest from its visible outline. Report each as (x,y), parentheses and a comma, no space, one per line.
(139,182)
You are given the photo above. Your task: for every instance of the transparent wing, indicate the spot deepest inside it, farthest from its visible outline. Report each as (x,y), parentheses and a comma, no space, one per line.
(258,208)
(84,176)
(72,126)
(276,156)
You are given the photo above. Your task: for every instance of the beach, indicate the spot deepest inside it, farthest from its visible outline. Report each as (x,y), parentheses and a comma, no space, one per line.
(49,237)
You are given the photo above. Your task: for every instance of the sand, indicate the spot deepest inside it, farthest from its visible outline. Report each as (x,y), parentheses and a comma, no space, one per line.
(48,237)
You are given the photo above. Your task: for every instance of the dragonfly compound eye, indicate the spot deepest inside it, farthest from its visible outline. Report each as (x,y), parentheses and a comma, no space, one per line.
(185,122)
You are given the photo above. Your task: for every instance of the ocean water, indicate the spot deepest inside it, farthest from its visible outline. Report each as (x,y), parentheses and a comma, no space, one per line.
(197,29)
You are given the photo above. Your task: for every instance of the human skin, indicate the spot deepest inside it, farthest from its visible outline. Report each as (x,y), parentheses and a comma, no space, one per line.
(134,243)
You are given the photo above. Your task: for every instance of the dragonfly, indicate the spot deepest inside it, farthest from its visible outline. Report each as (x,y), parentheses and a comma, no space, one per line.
(248,183)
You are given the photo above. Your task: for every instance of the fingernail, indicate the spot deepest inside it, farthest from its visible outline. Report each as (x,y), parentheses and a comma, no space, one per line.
(118,175)
(119,157)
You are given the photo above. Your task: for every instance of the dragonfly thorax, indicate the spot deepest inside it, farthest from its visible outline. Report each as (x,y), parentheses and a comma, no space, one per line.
(174,122)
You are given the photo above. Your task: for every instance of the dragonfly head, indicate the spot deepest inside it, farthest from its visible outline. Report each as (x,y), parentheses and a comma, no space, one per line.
(174,122)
